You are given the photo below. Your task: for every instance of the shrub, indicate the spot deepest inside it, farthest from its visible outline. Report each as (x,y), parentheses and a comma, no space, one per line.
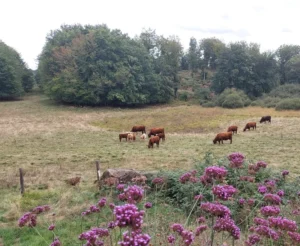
(286,91)
(289,103)
(233,101)
(208,104)
(183,96)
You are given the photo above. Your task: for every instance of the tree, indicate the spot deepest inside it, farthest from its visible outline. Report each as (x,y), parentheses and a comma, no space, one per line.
(292,69)
(193,55)
(284,54)
(28,80)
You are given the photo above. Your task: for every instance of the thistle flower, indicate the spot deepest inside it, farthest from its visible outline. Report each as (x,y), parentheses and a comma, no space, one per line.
(236,159)
(224,192)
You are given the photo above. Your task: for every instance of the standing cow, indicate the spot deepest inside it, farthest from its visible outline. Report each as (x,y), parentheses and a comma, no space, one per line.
(250,125)
(152,141)
(232,129)
(155,131)
(139,129)
(265,119)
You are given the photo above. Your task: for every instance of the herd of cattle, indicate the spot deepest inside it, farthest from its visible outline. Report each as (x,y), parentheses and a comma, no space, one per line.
(156,134)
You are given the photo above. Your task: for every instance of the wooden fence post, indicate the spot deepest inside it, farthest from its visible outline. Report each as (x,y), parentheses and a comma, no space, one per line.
(21,181)
(98,170)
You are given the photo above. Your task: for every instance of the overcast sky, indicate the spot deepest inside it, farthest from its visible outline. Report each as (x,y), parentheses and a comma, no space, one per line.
(24,24)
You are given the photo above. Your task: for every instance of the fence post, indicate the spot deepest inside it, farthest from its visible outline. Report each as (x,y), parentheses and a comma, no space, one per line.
(22,181)
(98,170)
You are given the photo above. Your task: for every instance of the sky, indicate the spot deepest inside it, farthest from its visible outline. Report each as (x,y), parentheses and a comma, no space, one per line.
(24,24)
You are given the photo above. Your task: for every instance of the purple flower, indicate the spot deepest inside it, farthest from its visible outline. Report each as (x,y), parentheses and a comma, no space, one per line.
(272,198)
(267,232)
(227,224)
(171,239)
(112,206)
(236,159)
(41,209)
(187,237)
(280,193)
(51,227)
(198,197)
(261,164)
(94,209)
(260,221)
(201,219)
(102,202)
(148,205)
(56,242)
(224,192)
(92,236)
(285,173)
(200,229)
(177,227)
(283,223)
(215,172)
(270,210)
(294,236)
(215,209)
(120,187)
(24,219)
(253,239)
(262,189)
(185,177)
(111,225)
(132,194)
(135,238)
(158,181)
(128,215)
(242,201)
(251,202)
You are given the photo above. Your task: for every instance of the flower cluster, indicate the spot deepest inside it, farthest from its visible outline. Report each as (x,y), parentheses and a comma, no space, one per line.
(128,215)
(41,209)
(56,242)
(187,236)
(215,209)
(93,236)
(247,178)
(253,239)
(30,218)
(102,202)
(267,232)
(280,193)
(236,159)
(227,224)
(270,210)
(260,221)
(272,198)
(135,238)
(189,176)
(171,239)
(262,189)
(132,194)
(158,181)
(148,205)
(224,192)
(200,229)
(285,173)
(120,187)
(215,172)
(294,236)
(242,201)
(283,224)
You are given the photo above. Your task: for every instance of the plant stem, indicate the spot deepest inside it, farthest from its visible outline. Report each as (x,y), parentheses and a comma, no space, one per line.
(212,231)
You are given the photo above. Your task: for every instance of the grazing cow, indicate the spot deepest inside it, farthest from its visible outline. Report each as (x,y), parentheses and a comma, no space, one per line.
(138,129)
(155,131)
(144,136)
(223,136)
(250,125)
(123,135)
(265,119)
(153,140)
(131,136)
(161,136)
(232,129)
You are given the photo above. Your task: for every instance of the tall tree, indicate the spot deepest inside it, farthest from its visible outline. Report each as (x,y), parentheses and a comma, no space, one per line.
(284,54)
(292,69)
(193,55)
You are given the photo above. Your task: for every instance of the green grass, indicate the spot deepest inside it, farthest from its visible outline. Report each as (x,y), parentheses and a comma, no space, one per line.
(55,142)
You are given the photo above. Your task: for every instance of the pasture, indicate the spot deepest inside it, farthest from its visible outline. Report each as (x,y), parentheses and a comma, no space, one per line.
(53,143)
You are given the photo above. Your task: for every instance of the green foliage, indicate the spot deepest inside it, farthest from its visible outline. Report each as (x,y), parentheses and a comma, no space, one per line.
(12,70)
(231,98)
(289,103)
(35,198)
(183,96)
(94,65)
(233,101)
(193,55)
(27,80)
(286,91)
(208,104)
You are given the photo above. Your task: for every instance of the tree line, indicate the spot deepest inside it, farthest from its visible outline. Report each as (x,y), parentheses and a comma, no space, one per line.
(94,65)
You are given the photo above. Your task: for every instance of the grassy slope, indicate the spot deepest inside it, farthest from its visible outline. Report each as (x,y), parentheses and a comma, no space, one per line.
(53,143)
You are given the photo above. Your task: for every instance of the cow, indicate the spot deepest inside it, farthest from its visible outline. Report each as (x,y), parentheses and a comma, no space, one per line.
(139,129)
(155,131)
(144,136)
(161,136)
(131,136)
(153,140)
(123,135)
(249,126)
(232,129)
(223,136)
(265,119)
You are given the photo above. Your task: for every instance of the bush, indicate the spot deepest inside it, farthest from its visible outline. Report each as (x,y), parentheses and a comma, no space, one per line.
(286,91)
(183,96)
(233,101)
(289,103)
(208,104)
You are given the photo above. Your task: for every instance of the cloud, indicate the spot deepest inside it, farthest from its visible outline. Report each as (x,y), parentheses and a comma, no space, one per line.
(285,29)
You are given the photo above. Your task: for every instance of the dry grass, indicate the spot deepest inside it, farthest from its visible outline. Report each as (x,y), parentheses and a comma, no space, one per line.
(53,143)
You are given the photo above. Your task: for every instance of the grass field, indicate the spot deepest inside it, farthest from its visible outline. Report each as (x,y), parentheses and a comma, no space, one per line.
(53,143)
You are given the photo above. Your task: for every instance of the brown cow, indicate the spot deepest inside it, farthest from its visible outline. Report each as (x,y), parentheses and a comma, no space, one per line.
(265,119)
(223,136)
(123,135)
(131,136)
(139,129)
(153,140)
(232,129)
(249,126)
(155,131)
(161,136)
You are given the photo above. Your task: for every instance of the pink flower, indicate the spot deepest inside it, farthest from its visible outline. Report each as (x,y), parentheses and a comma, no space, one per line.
(215,209)
(135,238)
(132,194)
(224,192)
(200,229)
(51,227)
(294,236)
(272,198)
(236,159)
(285,173)
(270,210)
(215,172)
(102,202)
(148,205)
(158,181)
(227,224)
(171,239)
(128,215)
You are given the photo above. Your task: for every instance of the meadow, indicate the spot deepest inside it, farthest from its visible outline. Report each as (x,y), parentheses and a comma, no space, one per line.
(55,142)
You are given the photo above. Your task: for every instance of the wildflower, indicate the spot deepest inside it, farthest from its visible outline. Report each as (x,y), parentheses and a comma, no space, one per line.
(201,219)
(51,227)
(224,192)
(236,159)
(112,205)
(270,210)
(102,202)
(24,219)
(206,180)
(158,181)
(267,232)
(132,194)
(294,236)
(198,197)
(215,209)
(270,184)
(227,224)
(280,193)
(94,209)
(148,205)
(253,239)
(251,202)
(120,187)
(185,177)
(272,198)
(41,209)
(261,164)
(171,239)
(200,229)
(285,173)
(247,178)
(56,242)
(177,227)
(135,238)
(33,221)
(260,221)
(187,237)
(128,215)
(242,201)
(283,223)
(111,225)
(262,189)
(92,236)
(215,172)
